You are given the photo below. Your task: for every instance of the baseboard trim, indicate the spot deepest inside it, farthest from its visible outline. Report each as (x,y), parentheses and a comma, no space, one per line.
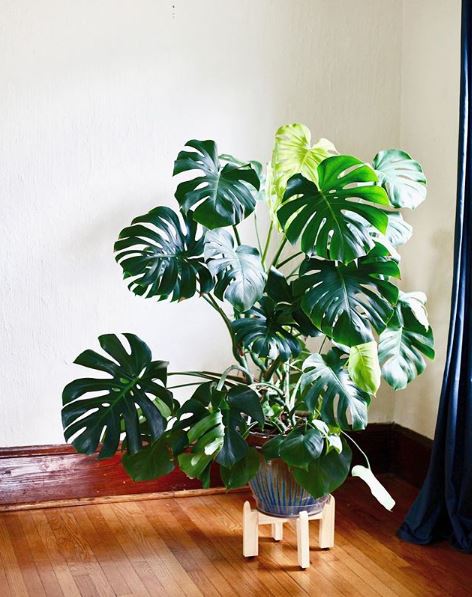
(55,475)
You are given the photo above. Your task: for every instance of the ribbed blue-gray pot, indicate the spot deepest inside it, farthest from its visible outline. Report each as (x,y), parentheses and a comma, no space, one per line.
(278,494)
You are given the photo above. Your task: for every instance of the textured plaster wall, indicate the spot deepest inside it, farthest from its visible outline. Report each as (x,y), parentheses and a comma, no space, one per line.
(98,97)
(429,130)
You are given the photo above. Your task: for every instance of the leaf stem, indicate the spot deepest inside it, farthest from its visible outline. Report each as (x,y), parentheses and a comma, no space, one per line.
(211,301)
(279,251)
(282,263)
(267,243)
(236,235)
(257,233)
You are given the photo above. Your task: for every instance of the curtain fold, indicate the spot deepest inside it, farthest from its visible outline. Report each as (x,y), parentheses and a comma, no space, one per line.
(443,508)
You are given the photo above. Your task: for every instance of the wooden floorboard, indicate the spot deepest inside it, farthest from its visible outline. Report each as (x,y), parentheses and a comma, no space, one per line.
(192,546)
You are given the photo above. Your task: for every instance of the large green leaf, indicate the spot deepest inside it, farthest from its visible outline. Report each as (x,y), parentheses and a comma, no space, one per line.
(242,472)
(347,301)
(263,330)
(299,448)
(123,397)
(241,277)
(327,386)
(157,459)
(162,257)
(329,218)
(293,153)
(223,195)
(363,366)
(401,176)
(326,473)
(406,340)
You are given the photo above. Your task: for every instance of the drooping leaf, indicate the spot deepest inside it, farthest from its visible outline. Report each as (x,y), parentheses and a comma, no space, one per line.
(263,331)
(327,386)
(300,447)
(326,473)
(282,292)
(329,218)
(271,449)
(347,301)
(158,458)
(293,153)
(196,466)
(242,472)
(245,400)
(134,380)
(241,277)
(406,340)
(398,230)
(401,176)
(234,447)
(363,366)
(221,195)
(162,257)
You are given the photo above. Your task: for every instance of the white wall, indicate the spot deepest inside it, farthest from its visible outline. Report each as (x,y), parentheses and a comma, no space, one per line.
(96,100)
(429,130)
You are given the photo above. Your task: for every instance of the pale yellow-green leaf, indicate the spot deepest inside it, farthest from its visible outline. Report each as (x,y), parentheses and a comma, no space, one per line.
(293,153)
(363,366)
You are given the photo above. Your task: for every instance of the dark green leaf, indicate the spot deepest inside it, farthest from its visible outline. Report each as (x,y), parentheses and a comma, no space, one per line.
(163,258)
(234,446)
(346,301)
(328,217)
(401,176)
(157,459)
(271,449)
(241,277)
(98,418)
(242,472)
(224,195)
(326,473)
(263,330)
(326,381)
(245,400)
(299,448)
(196,466)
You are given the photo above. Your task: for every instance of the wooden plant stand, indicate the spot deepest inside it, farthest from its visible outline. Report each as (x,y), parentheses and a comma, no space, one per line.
(252,519)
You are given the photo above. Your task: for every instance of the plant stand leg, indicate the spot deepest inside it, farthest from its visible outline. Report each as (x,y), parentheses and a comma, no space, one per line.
(250,531)
(278,531)
(303,540)
(326,532)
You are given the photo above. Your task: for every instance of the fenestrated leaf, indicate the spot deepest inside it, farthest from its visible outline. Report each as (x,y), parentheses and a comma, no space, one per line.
(263,331)
(300,447)
(401,176)
(162,257)
(157,459)
(293,153)
(363,366)
(325,379)
(234,447)
(329,218)
(116,400)
(223,195)
(196,466)
(398,230)
(406,340)
(347,301)
(326,473)
(245,400)
(242,472)
(288,303)
(241,277)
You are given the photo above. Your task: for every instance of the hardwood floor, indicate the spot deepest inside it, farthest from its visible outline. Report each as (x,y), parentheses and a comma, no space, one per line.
(192,546)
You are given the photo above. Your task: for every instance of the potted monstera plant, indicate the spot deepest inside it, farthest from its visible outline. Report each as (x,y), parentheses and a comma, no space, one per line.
(313,312)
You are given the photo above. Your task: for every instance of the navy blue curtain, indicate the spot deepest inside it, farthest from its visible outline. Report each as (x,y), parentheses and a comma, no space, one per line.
(443,508)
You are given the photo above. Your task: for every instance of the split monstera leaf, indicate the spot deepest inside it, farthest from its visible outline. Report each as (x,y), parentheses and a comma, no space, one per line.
(313,328)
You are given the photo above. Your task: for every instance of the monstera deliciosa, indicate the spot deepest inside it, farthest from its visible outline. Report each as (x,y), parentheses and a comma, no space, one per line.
(313,311)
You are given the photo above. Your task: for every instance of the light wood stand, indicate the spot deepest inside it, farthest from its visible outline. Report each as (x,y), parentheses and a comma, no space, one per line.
(253,518)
